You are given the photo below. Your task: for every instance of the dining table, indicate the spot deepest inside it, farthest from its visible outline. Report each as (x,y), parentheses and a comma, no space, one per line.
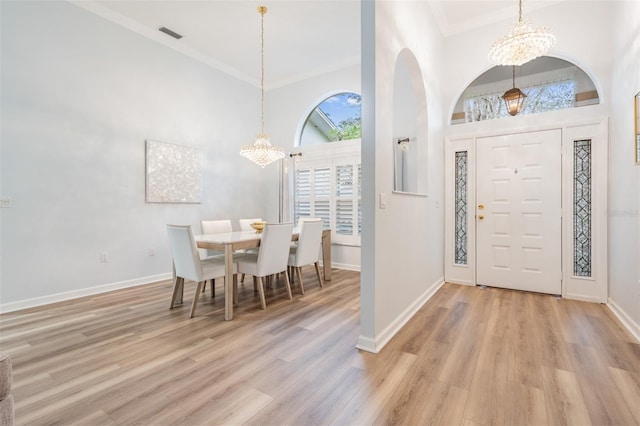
(230,242)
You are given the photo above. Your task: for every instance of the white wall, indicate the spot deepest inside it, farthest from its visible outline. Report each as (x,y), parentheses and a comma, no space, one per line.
(409,231)
(624,190)
(79,97)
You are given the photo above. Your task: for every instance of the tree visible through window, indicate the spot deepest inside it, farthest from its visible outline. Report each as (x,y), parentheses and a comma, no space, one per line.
(337,118)
(547,97)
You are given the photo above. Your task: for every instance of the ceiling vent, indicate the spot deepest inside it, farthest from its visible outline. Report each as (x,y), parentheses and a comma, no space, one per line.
(169,32)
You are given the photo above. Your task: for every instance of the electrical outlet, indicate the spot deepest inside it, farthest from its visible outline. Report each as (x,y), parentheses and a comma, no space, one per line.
(104,257)
(152,252)
(5,202)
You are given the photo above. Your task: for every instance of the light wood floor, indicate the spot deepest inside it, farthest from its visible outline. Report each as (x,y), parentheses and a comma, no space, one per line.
(470,356)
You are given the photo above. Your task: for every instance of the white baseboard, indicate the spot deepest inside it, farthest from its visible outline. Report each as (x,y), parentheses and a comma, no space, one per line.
(582,298)
(345,266)
(74,294)
(367,344)
(375,345)
(625,319)
(461,282)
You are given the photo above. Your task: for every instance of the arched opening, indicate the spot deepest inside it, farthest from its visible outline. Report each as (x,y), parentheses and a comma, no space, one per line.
(409,126)
(550,84)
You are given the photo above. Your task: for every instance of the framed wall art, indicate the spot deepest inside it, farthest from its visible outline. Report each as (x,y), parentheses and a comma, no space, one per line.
(173,173)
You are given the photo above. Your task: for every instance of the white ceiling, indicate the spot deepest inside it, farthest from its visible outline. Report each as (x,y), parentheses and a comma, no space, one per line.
(302,37)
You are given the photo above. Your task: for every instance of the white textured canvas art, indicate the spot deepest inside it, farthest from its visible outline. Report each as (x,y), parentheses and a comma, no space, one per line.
(174,173)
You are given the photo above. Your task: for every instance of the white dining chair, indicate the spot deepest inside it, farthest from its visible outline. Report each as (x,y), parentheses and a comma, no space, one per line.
(245,224)
(215,227)
(189,266)
(301,220)
(271,257)
(307,251)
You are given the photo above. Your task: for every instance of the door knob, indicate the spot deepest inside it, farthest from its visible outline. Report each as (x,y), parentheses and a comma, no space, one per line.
(480,216)
(480,206)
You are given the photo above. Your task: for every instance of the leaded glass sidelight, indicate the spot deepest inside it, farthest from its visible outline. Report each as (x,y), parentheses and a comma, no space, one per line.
(461,208)
(582,208)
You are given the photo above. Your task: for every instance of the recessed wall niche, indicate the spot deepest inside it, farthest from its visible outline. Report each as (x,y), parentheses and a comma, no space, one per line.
(409,142)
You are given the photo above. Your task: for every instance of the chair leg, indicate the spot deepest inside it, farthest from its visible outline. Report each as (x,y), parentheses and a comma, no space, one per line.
(318,273)
(255,284)
(213,288)
(235,289)
(177,288)
(263,302)
(195,298)
(204,287)
(242,278)
(286,281)
(299,270)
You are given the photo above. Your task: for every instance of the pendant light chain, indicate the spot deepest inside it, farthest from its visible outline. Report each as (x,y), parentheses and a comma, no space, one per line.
(261,151)
(262,10)
(520,11)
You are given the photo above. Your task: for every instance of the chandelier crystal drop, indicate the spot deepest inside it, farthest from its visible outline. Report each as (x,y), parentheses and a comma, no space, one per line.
(523,43)
(261,152)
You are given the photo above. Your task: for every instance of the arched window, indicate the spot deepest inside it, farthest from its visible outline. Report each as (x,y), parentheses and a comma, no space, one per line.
(336,118)
(550,84)
(326,175)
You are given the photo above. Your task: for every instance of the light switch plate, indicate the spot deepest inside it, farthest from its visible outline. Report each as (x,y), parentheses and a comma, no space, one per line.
(382,203)
(5,202)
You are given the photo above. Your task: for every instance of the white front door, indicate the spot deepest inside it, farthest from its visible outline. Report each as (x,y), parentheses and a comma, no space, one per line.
(518,211)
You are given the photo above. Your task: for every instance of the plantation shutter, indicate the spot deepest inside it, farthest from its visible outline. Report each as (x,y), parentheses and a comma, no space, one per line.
(328,187)
(344,200)
(322,195)
(302,194)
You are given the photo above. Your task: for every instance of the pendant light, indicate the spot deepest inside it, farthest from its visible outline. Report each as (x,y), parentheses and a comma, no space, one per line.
(514,98)
(523,43)
(261,151)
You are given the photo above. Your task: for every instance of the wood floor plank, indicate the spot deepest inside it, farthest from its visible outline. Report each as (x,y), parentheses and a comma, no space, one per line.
(470,356)
(629,385)
(546,333)
(525,405)
(488,391)
(608,408)
(366,406)
(460,366)
(563,398)
(409,401)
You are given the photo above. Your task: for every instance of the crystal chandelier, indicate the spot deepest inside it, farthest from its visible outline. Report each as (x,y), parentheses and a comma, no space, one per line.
(261,151)
(523,43)
(514,98)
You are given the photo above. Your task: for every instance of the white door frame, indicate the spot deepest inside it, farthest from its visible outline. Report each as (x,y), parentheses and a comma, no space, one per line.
(593,288)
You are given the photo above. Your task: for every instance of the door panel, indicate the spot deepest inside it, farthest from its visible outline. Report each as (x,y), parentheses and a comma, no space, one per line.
(519,211)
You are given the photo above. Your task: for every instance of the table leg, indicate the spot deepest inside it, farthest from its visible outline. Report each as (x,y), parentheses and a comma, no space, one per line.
(326,255)
(228,282)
